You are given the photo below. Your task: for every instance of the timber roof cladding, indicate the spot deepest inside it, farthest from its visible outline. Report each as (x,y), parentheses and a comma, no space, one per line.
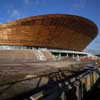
(70,21)
(73,23)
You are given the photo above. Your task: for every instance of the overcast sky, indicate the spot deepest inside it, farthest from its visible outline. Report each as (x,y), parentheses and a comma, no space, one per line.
(16,9)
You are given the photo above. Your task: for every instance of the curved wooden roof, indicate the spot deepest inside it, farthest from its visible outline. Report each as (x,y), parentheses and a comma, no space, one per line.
(52,31)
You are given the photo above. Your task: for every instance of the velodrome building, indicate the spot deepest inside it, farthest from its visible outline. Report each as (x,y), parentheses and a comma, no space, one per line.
(56,32)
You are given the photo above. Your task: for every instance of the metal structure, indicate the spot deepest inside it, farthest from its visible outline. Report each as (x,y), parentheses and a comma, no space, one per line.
(44,81)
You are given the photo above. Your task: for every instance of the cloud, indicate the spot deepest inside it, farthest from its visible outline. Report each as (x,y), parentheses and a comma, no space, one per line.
(95,45)
(79,4)
(28,1)
(13,13)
